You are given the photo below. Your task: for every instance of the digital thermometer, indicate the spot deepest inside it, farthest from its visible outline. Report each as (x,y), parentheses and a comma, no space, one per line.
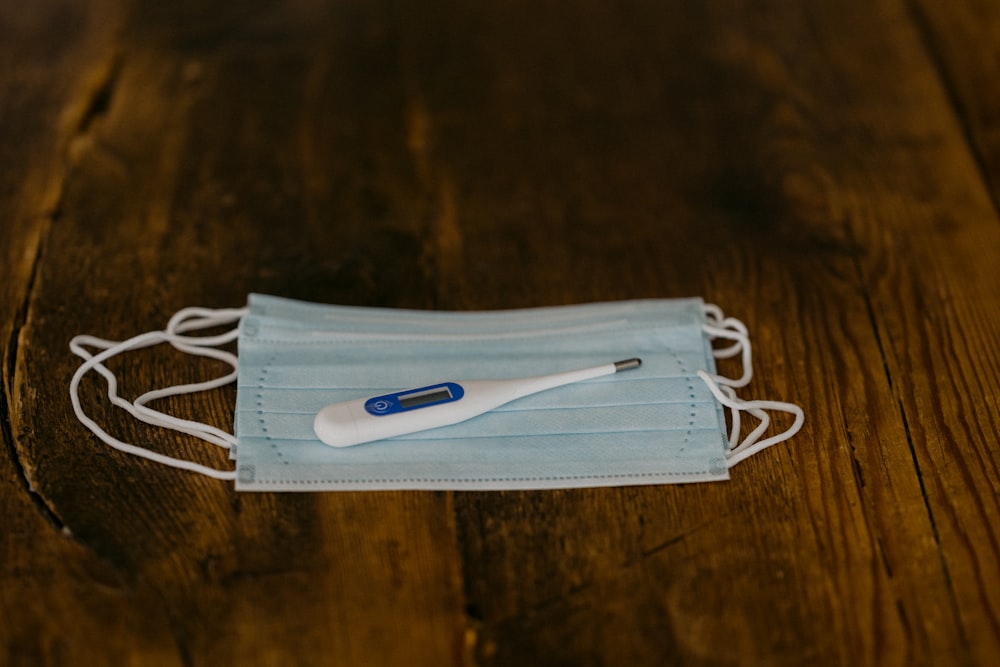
(411,410)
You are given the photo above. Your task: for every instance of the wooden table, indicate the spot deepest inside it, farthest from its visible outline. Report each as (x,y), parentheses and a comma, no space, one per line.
(827,171)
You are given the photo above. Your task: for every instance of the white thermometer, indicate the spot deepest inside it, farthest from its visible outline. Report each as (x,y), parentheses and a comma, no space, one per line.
(411,410)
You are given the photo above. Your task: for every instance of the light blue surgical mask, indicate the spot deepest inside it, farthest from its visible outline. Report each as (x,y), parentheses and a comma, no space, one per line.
(662,423)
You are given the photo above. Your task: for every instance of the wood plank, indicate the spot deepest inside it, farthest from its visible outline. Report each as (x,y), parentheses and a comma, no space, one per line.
(232,156)
(964,40)
(47,95)
(56,594)
(933,238)
(774,159)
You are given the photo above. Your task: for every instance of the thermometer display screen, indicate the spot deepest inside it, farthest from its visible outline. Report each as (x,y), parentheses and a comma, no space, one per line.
(416,399)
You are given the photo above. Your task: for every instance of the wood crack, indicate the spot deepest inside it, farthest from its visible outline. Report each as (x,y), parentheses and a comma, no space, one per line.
(6,400)
(100,99)
(660,547)
(949,583)
(917,471)
(96,104)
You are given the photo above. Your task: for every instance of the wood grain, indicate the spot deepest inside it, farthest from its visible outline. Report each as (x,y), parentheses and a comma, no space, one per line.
(57,593)
(964,42)
(825,171)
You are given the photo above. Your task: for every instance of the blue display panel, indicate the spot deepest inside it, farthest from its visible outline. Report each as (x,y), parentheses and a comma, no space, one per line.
(414,399)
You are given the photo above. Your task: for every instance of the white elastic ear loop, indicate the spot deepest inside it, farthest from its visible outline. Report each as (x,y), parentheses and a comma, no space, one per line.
(734,429)
(153,417)
(716,318)
(713,313)
(146,415)
(206,318)
(203,431)
(137,342)
(750,445)
(201,346)
(742,345)
(198,346)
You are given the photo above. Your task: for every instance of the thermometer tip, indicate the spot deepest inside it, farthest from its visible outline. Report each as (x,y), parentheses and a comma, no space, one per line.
(627,364)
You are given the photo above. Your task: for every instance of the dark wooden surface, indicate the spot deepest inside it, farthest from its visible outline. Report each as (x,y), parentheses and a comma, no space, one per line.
(827,171)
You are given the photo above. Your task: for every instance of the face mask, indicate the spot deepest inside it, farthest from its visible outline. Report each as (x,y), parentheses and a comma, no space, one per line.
(661,423)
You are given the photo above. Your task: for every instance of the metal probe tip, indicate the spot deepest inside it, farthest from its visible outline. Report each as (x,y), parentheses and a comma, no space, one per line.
(627,364)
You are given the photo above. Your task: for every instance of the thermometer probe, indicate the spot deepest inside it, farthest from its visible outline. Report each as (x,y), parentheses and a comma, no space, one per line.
(411,410)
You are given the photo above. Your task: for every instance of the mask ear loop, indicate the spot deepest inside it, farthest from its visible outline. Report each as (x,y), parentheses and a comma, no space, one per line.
(153,417)
(740,346)
(195,346)
(734,429)
(719,326)
(143,414)
(750,444)
(200,346)
(717,320)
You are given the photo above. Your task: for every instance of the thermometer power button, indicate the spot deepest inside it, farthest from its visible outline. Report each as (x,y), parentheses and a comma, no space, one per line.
(379,406)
